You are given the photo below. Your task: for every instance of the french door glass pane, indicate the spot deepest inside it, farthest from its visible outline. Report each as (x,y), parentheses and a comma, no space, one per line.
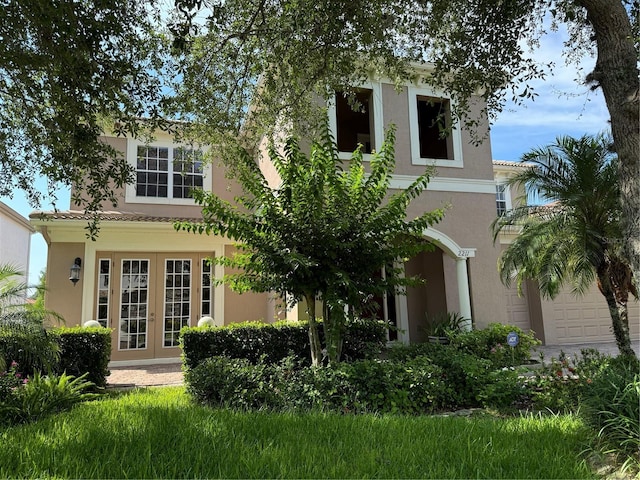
(177,299)
(133,320)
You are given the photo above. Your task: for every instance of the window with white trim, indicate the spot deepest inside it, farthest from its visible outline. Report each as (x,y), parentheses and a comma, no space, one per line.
(104,277)
(165,173)
(501,199)
(435,137)
(206,285)
(357,119)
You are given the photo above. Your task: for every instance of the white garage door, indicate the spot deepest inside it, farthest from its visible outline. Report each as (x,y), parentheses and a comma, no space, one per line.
(517,308)
(586,319)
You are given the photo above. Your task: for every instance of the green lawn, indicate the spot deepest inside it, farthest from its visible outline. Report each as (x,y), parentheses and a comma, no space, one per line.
(159,433)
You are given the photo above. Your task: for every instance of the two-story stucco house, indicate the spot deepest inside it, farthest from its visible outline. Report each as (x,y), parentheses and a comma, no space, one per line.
(146,281)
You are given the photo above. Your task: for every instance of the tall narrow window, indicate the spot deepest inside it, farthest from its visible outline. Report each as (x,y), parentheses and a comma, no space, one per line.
(354,121)
(134,303)
(206,303)
(177,299)
(102,310)
(501,199)
(433,120)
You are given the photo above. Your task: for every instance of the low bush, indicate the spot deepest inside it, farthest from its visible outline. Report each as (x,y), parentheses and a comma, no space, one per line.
(40,396)
(411,386)
(85,350)
(491,343)
(273,342)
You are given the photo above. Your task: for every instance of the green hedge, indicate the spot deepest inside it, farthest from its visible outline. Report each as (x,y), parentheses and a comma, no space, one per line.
(413,386)
(254,341)
(85,350)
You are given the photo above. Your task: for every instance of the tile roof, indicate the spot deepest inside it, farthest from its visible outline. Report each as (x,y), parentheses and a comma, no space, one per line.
(105,216)
(509,163)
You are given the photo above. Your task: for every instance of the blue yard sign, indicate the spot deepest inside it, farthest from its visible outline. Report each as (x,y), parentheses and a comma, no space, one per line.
(512,339)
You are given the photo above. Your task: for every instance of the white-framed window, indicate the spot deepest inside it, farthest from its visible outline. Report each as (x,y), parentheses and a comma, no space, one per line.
(177,299)
(166,173)
(104,278)
(207,289)
(362,125)
(430,116)
(503,203)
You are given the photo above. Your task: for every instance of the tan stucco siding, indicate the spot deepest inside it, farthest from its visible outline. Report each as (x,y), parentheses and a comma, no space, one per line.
(477,159)
(61,295)
(467,223)
(247,306)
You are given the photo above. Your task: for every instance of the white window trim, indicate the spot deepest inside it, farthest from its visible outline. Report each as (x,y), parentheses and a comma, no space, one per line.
(130,190)
(507,193)
(456,136)
(378,123)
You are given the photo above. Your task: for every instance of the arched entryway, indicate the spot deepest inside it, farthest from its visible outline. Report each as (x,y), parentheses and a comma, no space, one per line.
(446,288)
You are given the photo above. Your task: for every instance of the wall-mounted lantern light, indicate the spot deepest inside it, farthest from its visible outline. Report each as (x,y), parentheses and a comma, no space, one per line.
(74,273)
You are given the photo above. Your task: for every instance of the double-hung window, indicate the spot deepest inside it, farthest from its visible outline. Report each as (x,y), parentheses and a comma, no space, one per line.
(502,199)
(165,173)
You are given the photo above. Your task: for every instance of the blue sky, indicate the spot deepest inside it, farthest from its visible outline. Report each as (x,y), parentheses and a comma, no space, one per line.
(562,107)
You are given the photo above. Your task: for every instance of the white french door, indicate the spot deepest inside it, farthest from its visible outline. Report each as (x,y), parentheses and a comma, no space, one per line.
(152,297)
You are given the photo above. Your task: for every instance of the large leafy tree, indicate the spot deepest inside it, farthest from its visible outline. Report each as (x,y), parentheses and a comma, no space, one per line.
(71,71)
(577,237)
(305,49)
(325,233)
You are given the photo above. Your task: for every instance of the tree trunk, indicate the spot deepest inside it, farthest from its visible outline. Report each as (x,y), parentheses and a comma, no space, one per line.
(617,295)
(333,321)
(616,72)
(314,337)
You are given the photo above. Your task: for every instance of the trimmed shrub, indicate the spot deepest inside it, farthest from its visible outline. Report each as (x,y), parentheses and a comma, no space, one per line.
(85,350)
(274,342)
(416,386)
(491,343)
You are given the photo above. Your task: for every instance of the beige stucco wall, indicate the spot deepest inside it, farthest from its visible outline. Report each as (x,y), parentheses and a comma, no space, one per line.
(247,306)
(477,159)
(61,295)
(466,222)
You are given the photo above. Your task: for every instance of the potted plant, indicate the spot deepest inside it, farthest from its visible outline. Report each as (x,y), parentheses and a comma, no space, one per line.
(443,325)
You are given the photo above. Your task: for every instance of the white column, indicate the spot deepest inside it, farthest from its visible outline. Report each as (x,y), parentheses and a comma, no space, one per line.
(463,291)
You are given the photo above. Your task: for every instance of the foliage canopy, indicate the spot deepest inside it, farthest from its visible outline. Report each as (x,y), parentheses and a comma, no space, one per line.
(326,232)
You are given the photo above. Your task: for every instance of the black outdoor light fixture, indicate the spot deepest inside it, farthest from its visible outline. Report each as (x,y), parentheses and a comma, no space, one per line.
(74,273)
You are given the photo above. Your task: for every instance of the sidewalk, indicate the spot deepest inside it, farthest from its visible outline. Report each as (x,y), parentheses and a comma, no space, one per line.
(171,374)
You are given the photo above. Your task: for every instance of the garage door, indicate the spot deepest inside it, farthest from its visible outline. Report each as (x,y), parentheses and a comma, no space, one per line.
(586,319)
(517,308)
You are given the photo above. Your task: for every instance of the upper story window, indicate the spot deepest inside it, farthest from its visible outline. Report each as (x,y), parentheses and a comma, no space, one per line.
(502,199)
(354,121)
(435,138)
(357,119)
(165,173)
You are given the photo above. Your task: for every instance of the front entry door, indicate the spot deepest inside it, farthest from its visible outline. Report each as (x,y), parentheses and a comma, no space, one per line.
(155,295)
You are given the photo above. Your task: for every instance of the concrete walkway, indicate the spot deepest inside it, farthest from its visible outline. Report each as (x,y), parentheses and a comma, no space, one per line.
(171,374)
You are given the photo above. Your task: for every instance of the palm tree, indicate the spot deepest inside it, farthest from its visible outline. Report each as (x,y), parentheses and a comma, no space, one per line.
(577,237)
(23,337)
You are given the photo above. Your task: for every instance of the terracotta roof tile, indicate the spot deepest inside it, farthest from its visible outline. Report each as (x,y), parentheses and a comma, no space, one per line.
(116,216)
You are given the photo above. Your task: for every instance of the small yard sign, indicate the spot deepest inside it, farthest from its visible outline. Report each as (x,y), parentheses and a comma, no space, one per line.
(512,339)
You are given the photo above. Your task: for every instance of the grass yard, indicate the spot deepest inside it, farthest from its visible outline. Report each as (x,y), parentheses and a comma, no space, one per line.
(159,433)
